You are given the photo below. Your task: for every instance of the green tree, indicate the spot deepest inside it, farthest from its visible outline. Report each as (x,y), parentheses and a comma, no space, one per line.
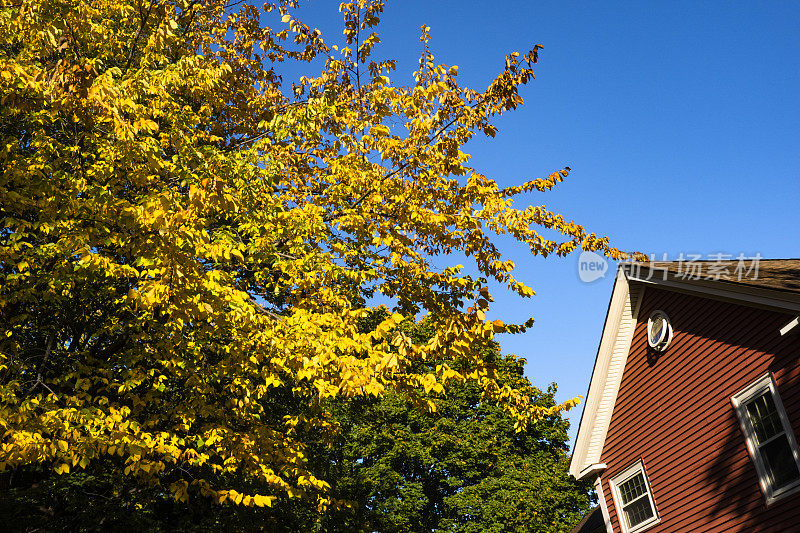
(463,468)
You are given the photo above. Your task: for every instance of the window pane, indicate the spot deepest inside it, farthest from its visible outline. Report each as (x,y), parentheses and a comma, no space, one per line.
(632,489)
(764,417)
(780,463)
(638,512)
(658,325)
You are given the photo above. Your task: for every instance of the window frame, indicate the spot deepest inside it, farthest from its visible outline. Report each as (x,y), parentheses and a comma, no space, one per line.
(765,383)
(622,477)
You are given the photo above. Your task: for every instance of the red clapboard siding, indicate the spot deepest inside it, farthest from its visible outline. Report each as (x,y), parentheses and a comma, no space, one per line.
(674,412)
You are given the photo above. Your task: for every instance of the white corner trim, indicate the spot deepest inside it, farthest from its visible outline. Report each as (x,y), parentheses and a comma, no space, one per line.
(791,326)
(610,364)
(598,488)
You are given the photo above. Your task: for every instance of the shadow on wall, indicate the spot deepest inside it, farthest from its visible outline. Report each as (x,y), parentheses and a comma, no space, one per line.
(732,472)
(718,349)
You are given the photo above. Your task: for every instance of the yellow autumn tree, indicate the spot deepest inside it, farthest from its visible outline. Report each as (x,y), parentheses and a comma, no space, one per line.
(189,244)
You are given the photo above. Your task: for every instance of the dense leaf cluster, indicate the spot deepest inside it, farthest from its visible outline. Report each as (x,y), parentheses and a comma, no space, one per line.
(463,468)
(189,244)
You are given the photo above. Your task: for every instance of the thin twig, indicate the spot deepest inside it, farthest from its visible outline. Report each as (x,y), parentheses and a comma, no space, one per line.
(44,362)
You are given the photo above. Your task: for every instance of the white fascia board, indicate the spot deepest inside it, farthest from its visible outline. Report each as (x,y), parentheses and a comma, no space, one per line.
(606,376)
(759,297)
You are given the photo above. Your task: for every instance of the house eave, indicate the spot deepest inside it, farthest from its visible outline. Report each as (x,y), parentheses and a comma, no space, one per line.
(592,470)
(753,296)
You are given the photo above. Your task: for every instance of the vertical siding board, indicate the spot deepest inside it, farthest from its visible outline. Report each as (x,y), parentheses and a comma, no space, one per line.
(674,412)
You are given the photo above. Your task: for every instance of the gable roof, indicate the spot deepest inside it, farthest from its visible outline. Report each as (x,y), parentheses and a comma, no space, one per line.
(775,285)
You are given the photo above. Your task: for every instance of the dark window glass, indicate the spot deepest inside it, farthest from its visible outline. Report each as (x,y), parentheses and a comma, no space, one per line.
(635,500)
(765,418)
(638,512)
(778,459)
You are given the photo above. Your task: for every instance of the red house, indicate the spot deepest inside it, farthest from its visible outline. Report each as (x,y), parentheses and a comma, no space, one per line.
(692,418)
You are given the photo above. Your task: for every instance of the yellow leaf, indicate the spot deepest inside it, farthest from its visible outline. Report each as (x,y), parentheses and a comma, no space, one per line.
(263,501)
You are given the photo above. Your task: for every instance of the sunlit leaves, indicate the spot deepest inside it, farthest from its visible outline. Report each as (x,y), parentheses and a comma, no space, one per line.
(190,248)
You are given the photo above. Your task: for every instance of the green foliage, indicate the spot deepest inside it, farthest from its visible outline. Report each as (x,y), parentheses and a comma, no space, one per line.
(463,468)
(105,501)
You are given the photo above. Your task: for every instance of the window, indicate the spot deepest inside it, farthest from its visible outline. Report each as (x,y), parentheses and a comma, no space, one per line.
(769,438)
(659,331)
(633,499)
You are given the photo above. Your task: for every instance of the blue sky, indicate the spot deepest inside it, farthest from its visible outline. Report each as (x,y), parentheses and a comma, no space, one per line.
(680,120)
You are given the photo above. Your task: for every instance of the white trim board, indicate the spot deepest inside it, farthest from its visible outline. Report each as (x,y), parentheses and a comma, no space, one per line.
(598,487)
(791,327)
(744,295)
(607,375)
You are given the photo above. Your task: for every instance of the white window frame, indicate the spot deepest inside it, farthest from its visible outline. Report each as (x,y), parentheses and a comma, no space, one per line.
(621,478)
(765,383)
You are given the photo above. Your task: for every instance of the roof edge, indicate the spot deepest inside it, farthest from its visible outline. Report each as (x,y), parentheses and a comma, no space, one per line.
(765,297)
